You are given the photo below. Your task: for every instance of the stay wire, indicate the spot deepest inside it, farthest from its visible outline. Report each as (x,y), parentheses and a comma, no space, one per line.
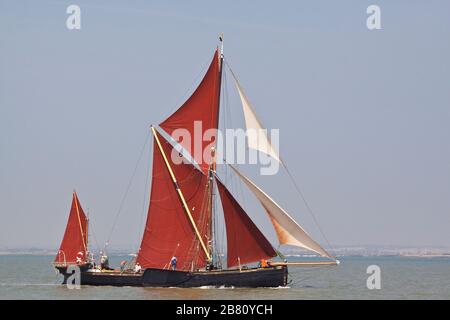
(126,191)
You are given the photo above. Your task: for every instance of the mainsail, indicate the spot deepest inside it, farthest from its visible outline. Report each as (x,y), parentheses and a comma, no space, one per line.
(73,249)
(198,115)
(168,231)
(179,214)
(287,229)
(245,243)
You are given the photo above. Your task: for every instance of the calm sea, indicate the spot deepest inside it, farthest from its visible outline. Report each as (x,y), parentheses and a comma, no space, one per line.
(32,277)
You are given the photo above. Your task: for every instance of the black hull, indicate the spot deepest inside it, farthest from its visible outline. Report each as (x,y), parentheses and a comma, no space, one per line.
(251,278)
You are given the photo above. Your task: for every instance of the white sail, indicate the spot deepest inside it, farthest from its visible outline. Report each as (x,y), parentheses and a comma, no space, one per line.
(256,134)
(287,229)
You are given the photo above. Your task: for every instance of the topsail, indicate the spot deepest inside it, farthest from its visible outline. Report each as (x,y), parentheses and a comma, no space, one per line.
(257,134)
(198,116)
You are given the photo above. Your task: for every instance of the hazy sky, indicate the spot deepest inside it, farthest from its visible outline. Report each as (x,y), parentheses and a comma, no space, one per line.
(364,116)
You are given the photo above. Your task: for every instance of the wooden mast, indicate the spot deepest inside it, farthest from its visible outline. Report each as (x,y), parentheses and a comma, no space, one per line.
(180,194)
(79,222)
(212,169)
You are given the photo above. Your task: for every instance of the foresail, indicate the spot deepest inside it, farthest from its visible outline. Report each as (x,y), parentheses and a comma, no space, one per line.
(256,133)
(287,229)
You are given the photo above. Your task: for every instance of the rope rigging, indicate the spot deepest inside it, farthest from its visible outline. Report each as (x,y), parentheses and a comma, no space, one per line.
(308,208)
(122,202)
(144,202)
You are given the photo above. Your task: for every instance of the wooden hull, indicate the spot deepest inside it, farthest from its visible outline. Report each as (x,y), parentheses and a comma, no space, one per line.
(255,277)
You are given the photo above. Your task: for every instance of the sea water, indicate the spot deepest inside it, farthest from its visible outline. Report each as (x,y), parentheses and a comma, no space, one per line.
(33,277)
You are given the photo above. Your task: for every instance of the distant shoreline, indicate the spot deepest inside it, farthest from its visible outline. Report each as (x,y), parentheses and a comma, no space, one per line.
(368,250)
(444,255)
(306,256)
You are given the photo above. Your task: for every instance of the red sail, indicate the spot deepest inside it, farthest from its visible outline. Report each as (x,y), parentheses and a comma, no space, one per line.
(245,243)
(197,115)
(168,231)
(74,244)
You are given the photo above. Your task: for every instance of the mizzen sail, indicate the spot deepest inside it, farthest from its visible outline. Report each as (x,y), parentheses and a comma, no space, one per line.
(287,229)
(73,249)
(245,243)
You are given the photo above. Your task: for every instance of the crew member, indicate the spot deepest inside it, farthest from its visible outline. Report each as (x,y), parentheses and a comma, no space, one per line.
(173,263)
(104,262)
(123,264)
(264,263)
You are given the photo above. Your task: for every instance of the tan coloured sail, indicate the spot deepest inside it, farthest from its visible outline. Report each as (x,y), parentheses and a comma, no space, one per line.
(256,134)
(287,229)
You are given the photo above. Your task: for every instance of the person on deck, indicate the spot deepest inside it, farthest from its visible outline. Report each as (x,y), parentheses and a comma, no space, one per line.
(123,264)
(104,262)
(137,268)
(264,263)
(173,263)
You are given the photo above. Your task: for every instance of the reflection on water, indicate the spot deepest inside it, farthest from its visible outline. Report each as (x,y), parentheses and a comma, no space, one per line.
(32,277)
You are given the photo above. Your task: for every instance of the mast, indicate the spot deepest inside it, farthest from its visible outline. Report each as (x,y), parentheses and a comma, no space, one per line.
(79,222)
(220,79)
(212,169)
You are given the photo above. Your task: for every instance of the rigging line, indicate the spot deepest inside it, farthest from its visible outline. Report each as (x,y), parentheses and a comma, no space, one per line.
(91,229)
(126,191)
(220,237)
(144,202)
(237,187)
(227,119)
(308,207)
(214,224)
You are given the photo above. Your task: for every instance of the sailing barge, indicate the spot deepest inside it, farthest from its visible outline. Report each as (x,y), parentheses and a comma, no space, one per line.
(180,219)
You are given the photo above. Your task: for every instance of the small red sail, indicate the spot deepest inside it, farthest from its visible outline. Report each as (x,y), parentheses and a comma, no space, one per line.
(73,247)
(245,243)
(197,115)
(168,231)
